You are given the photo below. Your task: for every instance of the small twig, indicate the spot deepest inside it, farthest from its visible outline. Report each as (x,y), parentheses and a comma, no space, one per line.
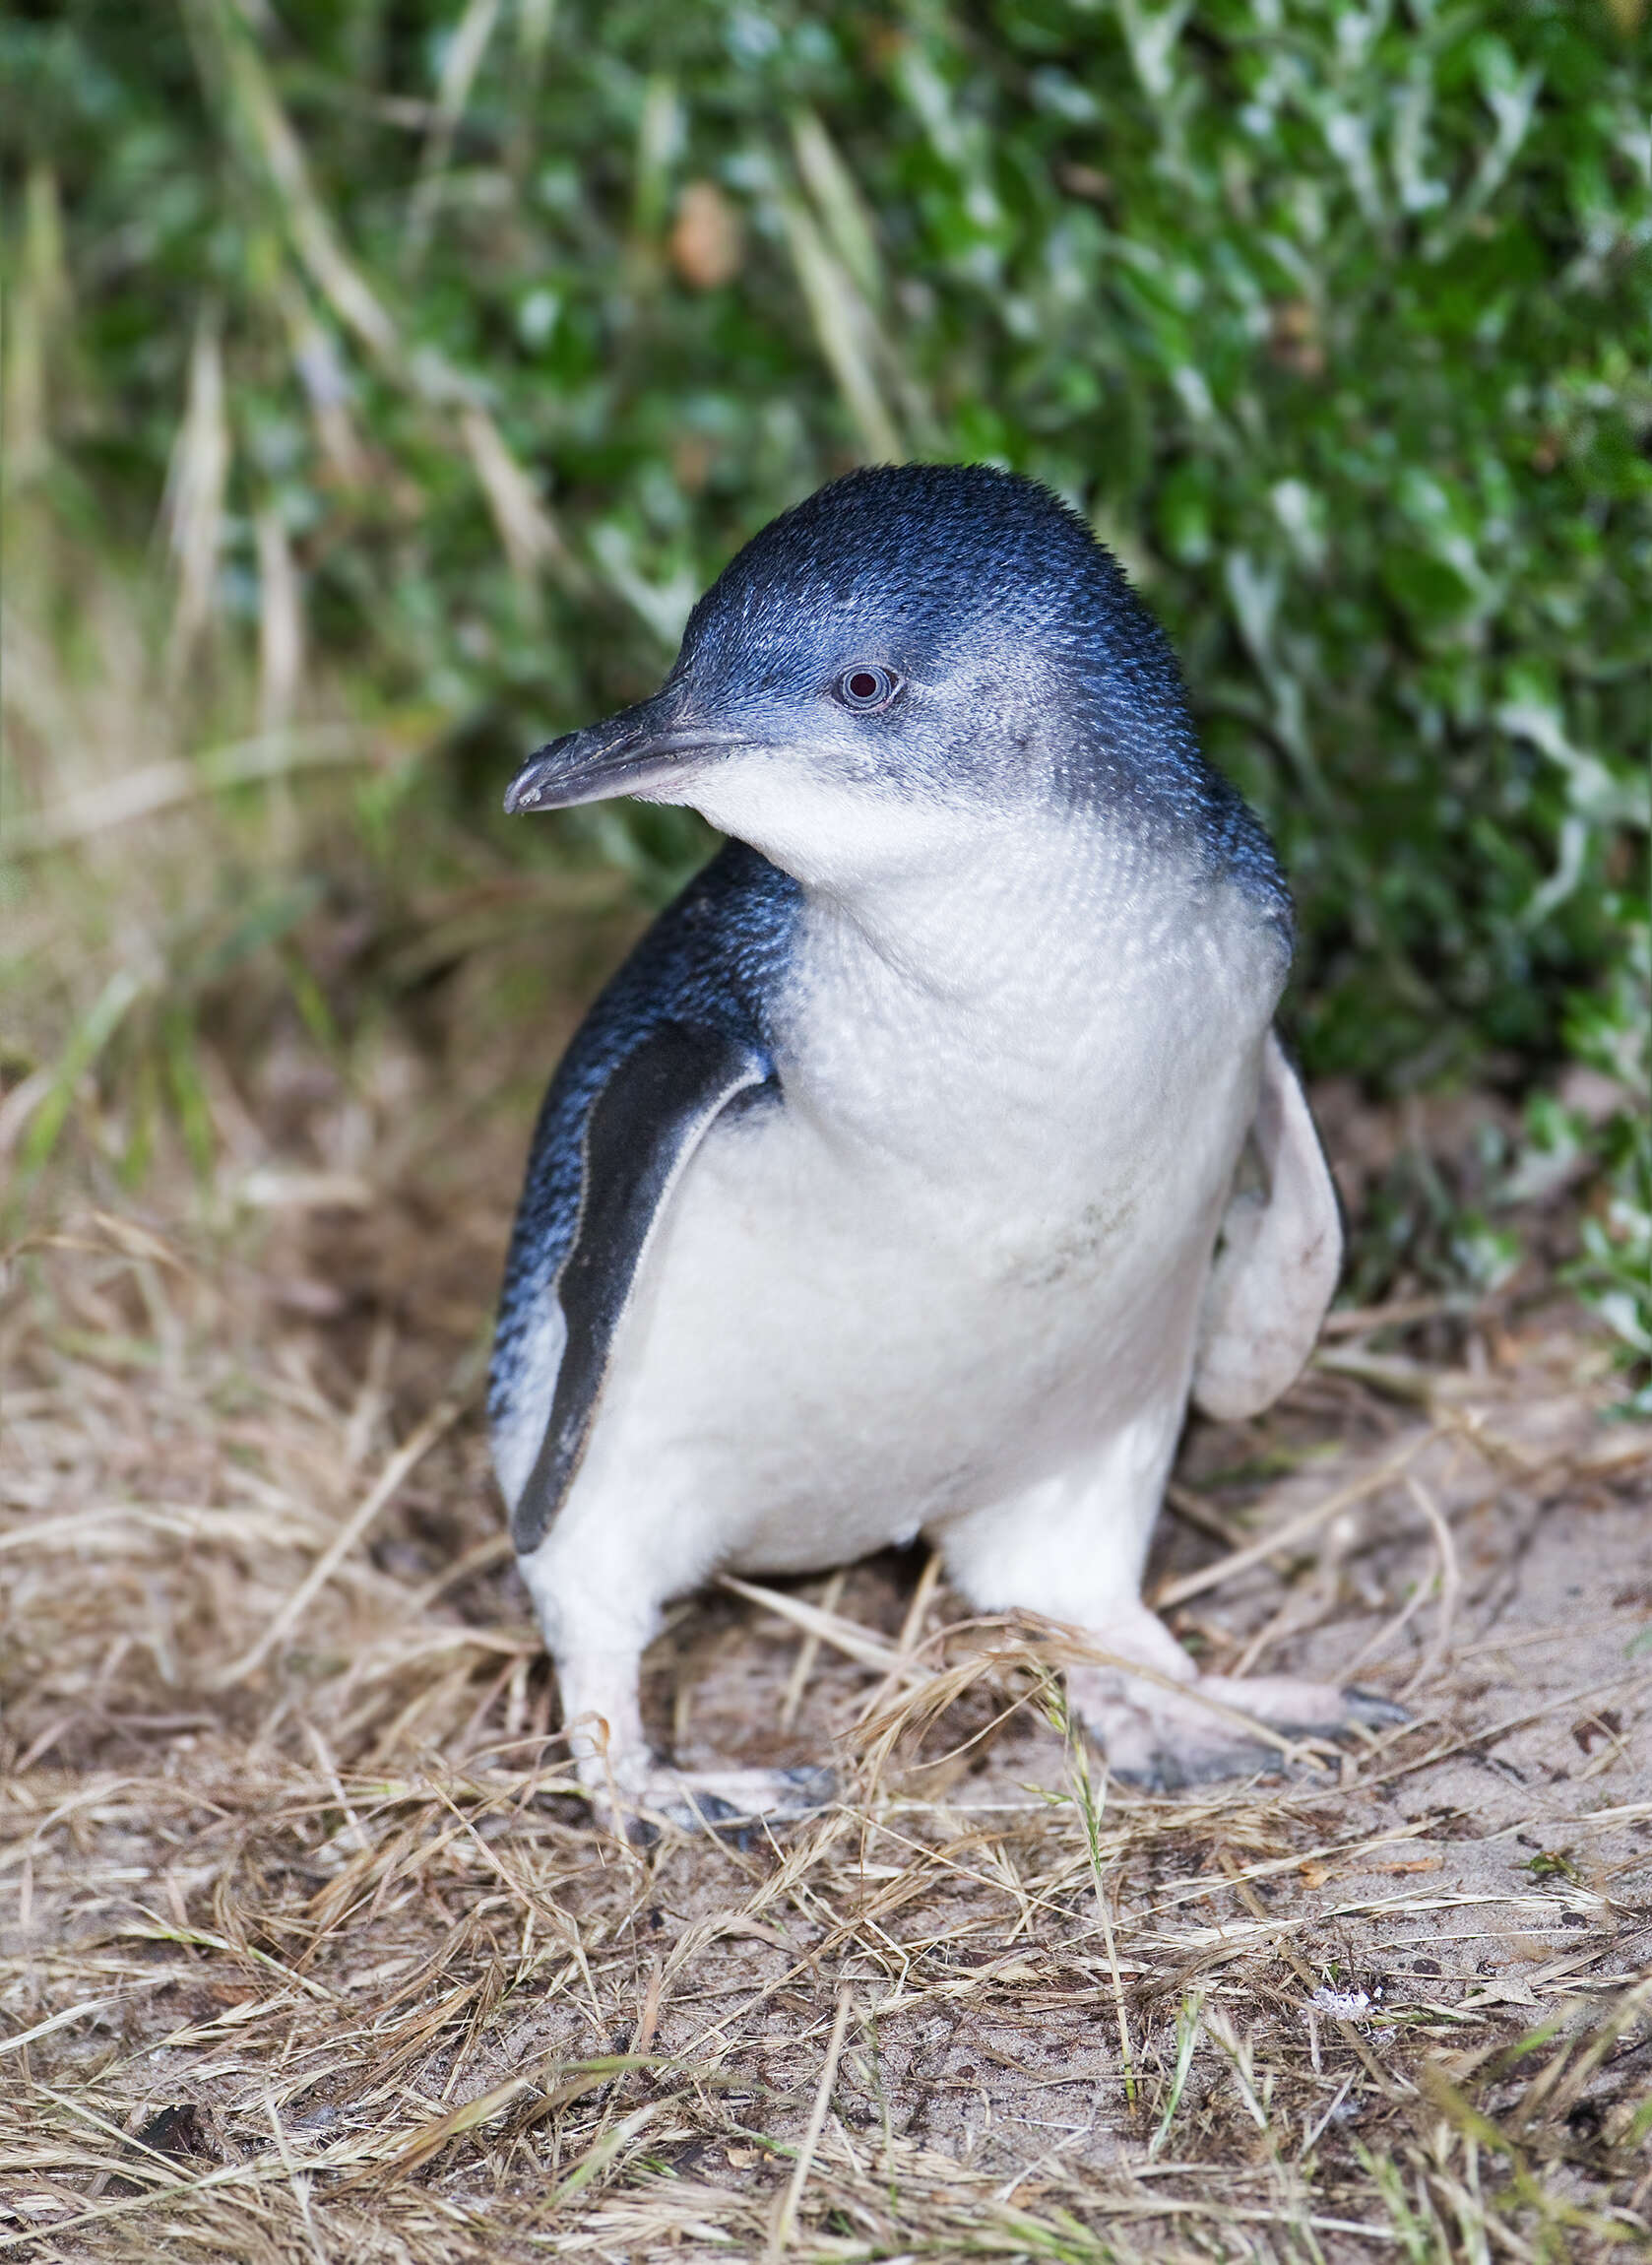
(1294,1529)
(928,1581)
(844,1636)
(1203,1516)
(808,1652)
(1079,1763)
(1360,1321)
(295,2179)
(326,1564)
(1450,1586)
(801,2170)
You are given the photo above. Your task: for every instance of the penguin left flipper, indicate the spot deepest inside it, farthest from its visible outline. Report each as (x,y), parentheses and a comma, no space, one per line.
(1277,1261)
(642,1128)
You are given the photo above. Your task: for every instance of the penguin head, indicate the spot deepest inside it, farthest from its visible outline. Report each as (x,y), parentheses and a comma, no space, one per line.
(913,650)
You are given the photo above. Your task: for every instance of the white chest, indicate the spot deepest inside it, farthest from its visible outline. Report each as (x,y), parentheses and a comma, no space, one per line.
(977,1226)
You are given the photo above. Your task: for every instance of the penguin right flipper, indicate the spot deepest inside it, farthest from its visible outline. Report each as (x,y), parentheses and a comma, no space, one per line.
(1277,1261)
(643,1127)
(682,1029)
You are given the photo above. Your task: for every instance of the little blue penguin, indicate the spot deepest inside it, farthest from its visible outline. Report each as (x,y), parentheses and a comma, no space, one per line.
(932,1149)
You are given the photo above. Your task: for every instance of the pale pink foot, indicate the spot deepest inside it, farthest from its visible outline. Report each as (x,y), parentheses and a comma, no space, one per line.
(1176,1727)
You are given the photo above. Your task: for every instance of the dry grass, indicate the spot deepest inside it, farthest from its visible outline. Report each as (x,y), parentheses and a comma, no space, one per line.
(308,1950)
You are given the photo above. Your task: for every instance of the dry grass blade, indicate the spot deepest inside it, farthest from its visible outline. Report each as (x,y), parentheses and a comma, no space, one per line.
(843,325)
(808,1652)
(461,62)
(815,1620)
(405,1458)
(59,2020)
(1295,1530)
(197,484)
(271,134)
(281,624)
(434,2136)
(1450,1588)
(527,531)
(787,2216)
(325,1959)
(835,197)
(156,786)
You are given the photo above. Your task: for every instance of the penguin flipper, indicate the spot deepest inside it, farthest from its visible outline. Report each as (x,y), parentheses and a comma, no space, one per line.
(643,1126)
(1277,1260)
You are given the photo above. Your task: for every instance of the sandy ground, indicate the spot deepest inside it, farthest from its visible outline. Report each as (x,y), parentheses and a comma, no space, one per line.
(308,1952)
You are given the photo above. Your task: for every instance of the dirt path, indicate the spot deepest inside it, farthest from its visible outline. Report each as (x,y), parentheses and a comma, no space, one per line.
(304,1953)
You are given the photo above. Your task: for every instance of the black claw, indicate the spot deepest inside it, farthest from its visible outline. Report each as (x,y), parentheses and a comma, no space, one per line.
(1172,1772)
(707,1814)
(1242,1762)
(715,1809)
(1372,1709)
(817,1785)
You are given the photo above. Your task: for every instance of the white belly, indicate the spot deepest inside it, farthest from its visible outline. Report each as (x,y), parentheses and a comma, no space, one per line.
(969,1247)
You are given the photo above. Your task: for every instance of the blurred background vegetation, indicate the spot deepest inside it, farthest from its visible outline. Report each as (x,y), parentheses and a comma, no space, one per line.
(382,381)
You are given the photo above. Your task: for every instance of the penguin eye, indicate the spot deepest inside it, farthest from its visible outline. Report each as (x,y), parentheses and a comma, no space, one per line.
(868,687)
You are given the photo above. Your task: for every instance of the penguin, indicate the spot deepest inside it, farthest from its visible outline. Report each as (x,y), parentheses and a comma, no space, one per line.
(932,1150)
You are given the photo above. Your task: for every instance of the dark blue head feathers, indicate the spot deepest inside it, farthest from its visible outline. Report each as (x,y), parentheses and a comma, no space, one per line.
(988,593)
(936,563)
(909,638)
(922,550)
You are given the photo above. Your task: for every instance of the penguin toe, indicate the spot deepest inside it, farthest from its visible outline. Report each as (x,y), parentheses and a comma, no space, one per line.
(1371,1709)
(815,1784)
(714,1811)
(728,1804)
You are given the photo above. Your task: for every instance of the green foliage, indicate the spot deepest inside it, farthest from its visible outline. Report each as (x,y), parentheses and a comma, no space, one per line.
(467,337)
(1610,1032)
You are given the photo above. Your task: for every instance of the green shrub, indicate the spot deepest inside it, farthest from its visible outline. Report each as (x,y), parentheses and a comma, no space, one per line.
(476,333)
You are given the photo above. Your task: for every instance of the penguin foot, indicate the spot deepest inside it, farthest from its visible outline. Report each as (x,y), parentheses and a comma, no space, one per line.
(1168,1740)
(726,1803)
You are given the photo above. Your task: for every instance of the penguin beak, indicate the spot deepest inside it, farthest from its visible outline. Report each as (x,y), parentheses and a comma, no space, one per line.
(643,750)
